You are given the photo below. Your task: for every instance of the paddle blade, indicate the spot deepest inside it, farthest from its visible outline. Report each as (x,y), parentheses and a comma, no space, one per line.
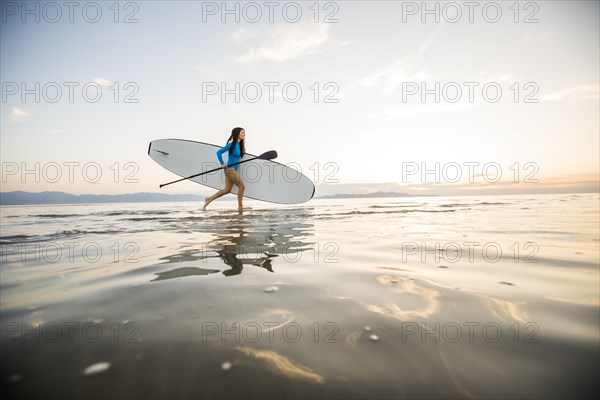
(269,155)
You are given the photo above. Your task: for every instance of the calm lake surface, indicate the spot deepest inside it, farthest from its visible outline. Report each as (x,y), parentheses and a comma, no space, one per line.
(432,297)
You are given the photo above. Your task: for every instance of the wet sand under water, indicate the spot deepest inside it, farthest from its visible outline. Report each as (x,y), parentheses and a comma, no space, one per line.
(377,298)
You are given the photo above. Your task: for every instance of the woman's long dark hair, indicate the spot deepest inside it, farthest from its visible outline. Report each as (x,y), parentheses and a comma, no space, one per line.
(235,134)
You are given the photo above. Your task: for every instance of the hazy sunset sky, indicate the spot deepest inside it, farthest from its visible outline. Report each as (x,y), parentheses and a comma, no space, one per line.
(361,67)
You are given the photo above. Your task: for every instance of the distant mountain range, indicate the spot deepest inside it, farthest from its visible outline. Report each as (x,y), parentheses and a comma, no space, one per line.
(370,195)
(25,198)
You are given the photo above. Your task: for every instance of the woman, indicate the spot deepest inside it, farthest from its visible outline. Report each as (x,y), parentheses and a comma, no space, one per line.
(236,148)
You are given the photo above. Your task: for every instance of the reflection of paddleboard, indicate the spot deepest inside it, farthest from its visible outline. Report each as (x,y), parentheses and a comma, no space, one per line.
(264,179)
(181,272)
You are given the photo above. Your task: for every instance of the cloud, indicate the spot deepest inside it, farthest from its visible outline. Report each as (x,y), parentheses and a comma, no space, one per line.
(574,94)
(425,45)
(18,114)
(392,76)
(242,34)
(290,42)
(102,81)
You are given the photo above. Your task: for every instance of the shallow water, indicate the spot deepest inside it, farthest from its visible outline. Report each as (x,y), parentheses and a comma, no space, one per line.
(437,297)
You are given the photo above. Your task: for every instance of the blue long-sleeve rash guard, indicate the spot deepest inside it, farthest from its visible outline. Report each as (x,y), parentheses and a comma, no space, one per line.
(233,158)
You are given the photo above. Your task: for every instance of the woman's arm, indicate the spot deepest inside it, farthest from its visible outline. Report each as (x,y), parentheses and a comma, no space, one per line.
(221,151)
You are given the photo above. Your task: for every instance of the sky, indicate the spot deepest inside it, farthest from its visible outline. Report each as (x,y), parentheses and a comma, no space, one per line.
(361,96)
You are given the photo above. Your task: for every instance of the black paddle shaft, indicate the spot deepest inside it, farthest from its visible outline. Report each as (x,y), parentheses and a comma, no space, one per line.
(269,155)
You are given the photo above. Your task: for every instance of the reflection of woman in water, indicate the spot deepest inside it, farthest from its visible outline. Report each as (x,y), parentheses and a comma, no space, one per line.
(236,148)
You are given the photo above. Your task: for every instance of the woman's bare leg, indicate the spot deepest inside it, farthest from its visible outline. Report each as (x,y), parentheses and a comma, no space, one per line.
(237,180)
(222,192)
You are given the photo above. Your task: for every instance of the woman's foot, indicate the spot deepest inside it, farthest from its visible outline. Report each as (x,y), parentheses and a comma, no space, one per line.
(205,204)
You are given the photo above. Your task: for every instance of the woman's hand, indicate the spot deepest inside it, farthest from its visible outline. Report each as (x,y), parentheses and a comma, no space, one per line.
(223,166)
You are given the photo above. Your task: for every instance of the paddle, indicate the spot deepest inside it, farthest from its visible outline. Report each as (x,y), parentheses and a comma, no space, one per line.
(269,155)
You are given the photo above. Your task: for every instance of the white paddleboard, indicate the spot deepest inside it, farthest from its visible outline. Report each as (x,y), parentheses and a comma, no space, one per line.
(264,179)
